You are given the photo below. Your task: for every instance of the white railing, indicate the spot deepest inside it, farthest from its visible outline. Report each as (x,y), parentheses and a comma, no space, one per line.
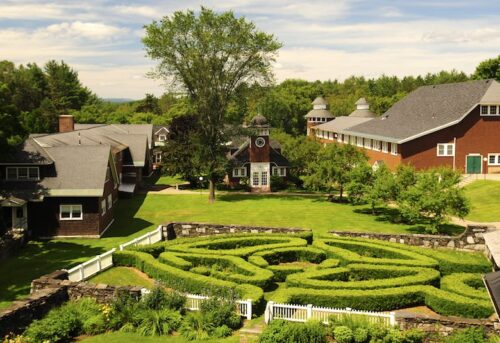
(303,313)
(91,267)
(148,238)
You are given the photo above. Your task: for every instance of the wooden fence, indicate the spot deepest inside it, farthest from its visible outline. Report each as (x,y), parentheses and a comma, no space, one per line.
(148,238)
(91,267)
(303,313)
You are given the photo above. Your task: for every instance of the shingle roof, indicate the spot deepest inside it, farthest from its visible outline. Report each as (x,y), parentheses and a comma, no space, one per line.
(339,124)
(362,113)
(314,113)
(27,152)
(259,121)
(426,110)
(319,101)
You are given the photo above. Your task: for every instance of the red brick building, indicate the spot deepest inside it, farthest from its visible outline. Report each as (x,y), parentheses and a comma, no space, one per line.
(454,125)
(67,183)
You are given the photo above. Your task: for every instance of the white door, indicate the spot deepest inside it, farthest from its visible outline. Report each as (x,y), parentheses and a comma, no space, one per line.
(259,173)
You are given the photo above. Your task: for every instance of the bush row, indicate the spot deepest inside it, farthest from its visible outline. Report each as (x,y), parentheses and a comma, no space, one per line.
(388,299)
(349,251)
(185,281)
(364,276)
(450,261)
(243,246)
(281,255)
(466,284)
(231,268)
(282,271)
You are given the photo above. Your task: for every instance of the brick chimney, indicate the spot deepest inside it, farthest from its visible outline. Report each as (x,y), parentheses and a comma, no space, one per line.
(66,123)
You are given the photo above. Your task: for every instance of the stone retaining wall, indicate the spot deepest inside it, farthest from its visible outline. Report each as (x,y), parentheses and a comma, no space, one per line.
(471,239)
(11,242)
(174,230)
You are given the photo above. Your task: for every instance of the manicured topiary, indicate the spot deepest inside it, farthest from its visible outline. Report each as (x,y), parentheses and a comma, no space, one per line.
(466,284)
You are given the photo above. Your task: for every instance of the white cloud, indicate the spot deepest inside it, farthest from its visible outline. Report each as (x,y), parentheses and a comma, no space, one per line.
(33,11)
(78,29)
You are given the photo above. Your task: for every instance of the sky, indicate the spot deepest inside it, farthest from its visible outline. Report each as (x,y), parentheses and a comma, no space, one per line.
(322,40)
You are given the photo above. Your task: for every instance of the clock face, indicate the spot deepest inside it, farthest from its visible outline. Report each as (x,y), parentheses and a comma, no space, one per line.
(260,142)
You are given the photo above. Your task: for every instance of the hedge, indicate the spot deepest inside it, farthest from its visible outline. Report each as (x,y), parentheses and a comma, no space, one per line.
(243,245)
(466,284)
(281,255)
(364,276)
(282,271)
(235,268)
(387,299)
(329,263)
(185,281)
(349,251)
(450,261)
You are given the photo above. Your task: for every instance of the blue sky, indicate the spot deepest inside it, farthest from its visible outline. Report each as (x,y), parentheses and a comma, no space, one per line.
(322,39)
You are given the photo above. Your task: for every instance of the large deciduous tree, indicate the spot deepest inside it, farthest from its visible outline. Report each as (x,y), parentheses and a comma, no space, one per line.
(209,55)
(488,69)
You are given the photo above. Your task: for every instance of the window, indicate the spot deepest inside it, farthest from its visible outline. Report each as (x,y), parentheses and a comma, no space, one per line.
(70,212)
(110,200)
(346,139)
(352,140)
(359,141)
(162,138)
(157,157)
(394,149)
(255,178)
(368,143)
(446,149)
(264,178)
(490,110)
(239,172)
(279,171)
(484,110)
(385,147)
(376,145)
(339,137)
(23,173)
(494,159)
(493,110)
(103,206)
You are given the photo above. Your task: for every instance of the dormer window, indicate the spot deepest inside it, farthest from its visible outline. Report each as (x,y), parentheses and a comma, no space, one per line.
(490,110)
(23,173)
(162,138)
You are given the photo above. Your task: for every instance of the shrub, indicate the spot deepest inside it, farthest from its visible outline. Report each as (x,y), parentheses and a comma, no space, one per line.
(219,312)
(466,284)
(157,322)
(364,276)
(342,334)
(159,299)
(279,331)
(194,328)
(282,271)
(360,335)
(222,331)
(470,335)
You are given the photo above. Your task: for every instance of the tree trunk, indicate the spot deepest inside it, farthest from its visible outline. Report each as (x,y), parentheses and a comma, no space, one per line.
(211,190)
(341,192)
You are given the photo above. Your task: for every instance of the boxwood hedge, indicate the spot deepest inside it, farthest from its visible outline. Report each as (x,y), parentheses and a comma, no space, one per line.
(185,281)
(224,267)
(466,284)
(349,251)
(281,255)
(364,276)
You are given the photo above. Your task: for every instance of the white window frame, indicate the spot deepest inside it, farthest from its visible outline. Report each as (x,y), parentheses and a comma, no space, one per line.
(445,150)
(385,147)
(110,200)
(162,137)
(497,159)
(376,145)
(103,206)
(279,171)
(394,149)
(240,172)
(367,143)
(157,156)
(359,141)
(346,139)
(71,210)
(488,110)
(27,178)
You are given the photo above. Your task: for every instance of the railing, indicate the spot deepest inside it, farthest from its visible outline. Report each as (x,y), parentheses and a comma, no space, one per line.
(193,303)
(148,238)
(91,267)
(303,313)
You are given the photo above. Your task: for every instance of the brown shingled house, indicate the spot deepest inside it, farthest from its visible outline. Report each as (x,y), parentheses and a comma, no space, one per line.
(66,184)
(454,125)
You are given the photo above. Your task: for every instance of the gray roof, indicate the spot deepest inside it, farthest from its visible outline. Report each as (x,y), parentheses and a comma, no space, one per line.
(428,109)
(314,113)
(72,174)
(362,113)
(259,121)
(319,101)
(340,124)
(27,152)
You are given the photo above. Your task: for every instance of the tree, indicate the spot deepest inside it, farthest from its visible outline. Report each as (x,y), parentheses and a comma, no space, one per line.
(433,197)
(334,167)
(488,69)
(208,56)
(149,104)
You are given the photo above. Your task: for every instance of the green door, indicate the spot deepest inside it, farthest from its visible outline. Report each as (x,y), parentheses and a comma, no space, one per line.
(473,164)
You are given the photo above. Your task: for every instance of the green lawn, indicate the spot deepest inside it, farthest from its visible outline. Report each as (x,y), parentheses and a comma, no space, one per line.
(158,180)
(133,337)
(143,213)
(122,276)
(485,199)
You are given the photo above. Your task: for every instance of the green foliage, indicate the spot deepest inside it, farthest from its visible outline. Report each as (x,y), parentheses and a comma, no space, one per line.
(470,335)
(279,331)
(360,335)
(158,298)
(342,334)
(488,69)
(157,322)
(466,284)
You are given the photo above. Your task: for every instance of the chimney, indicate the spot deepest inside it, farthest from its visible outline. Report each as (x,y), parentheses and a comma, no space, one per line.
(66,123)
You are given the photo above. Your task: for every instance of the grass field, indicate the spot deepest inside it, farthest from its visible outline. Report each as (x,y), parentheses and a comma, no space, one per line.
(134,337)
(143,213)
(485,199)
(123,276)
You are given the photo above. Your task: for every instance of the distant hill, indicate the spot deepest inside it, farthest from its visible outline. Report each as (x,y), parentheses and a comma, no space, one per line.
(117,100)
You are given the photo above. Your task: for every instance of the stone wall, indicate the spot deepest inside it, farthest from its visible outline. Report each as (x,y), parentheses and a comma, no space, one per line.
(443,325)
(11,242)
(471,239)
(175,230)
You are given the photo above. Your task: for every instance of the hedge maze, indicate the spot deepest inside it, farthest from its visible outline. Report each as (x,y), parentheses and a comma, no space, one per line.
(335,272)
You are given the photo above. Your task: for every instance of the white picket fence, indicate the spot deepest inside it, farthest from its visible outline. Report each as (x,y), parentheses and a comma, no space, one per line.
(91,267)
(148,238)
(193,303)
(303,313)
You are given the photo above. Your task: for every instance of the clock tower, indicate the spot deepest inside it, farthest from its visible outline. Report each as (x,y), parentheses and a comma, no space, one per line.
(260,154)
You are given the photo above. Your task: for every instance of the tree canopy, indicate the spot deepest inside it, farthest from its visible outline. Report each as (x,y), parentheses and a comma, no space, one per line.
(209,56)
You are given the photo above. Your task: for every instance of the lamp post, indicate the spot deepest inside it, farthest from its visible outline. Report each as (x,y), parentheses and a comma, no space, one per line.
(201,185)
